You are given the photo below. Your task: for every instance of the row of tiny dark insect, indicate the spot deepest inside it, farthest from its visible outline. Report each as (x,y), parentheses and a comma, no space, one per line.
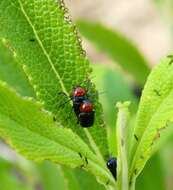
(84,111)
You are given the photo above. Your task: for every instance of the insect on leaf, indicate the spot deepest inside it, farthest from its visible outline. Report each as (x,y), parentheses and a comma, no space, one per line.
(31,131)
(44,40)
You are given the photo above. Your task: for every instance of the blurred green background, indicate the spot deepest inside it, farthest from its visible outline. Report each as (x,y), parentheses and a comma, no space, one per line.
(123,41)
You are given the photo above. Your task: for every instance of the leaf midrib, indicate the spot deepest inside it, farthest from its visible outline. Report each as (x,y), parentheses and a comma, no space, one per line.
(42,47)
(56,73)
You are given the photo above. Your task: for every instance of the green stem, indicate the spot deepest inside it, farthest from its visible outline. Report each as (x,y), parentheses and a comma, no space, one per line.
(122,129)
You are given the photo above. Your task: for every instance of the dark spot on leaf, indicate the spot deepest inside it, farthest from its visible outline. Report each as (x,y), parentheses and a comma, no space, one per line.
(171,59)
(80,154)
(158,133)
(157,92)
(32,40)
(136,137)
(86,160)
(107,183)
(135,171)
(54,118)
(167,123)
(156,137)
(142,157)
(130,183)
(164,127)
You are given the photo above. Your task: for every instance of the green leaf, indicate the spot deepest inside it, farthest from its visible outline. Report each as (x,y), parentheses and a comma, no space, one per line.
(12,73)
(122,134)
(44,40)
(154,115)
(158,86)
(32,132)
(167,136)
(118,48)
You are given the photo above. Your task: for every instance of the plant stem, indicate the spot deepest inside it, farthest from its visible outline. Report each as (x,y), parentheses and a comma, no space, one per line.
(122,128)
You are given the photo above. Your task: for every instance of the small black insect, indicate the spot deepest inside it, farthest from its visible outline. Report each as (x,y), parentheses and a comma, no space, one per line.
(136,137)
(112,166)
(54,118)
(32,40)
(86,114)
(137,91)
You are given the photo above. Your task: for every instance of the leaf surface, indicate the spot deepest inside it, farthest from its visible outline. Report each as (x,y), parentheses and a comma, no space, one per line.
(32,132)
(12,73)
(154,115)
(158,86)
(44,40)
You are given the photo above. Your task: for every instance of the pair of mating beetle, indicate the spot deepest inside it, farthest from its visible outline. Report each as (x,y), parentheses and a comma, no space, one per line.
(84,111)
(82,107)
